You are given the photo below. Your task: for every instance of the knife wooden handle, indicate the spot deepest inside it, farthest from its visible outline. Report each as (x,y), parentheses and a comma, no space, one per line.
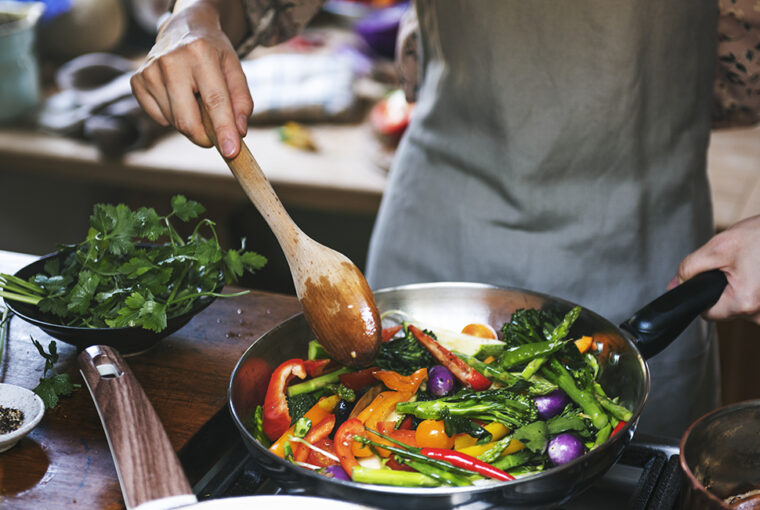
(147,466)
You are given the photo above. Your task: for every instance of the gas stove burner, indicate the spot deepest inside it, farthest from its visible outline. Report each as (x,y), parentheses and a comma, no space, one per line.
(647,477)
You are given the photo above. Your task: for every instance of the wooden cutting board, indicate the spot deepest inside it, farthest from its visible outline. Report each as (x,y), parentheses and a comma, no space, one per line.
(65,462)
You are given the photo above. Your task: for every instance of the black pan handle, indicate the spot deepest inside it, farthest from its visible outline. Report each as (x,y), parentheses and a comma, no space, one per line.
(660,322)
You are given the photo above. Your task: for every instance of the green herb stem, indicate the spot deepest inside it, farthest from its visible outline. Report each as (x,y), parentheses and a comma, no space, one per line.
(32,300)
(14,282)
(441,475)
(201,294)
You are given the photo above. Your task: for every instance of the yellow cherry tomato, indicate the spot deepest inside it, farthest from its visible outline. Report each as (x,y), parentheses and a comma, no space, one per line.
(432,434)
(479,330)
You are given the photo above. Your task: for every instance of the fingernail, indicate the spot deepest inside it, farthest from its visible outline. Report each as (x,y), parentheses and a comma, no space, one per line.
(242,122)
(228,148)
(673,283)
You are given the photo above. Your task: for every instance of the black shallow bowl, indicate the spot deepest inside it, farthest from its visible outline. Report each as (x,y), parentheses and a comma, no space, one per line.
(132,340)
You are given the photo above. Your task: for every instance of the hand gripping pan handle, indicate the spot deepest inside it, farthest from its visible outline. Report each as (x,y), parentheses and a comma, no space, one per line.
(149,471)
(660,322)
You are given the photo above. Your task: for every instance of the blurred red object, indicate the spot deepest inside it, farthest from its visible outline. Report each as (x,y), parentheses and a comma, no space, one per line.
(390,117)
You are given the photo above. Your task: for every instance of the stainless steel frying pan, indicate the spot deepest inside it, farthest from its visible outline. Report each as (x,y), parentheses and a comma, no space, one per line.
(623,372)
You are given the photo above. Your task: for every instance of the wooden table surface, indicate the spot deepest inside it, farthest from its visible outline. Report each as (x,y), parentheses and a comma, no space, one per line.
(65,461)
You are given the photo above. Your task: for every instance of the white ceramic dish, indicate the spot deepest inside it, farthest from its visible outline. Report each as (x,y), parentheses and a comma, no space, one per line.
(29,403)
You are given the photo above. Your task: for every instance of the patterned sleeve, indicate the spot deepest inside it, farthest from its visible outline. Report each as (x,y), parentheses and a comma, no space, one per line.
(273,21)
(407,54)
(737,79)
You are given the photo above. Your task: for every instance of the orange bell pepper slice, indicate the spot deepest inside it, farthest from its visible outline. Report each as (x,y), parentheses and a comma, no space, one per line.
(376,411)
(316,414)
(584,343)
(404,383)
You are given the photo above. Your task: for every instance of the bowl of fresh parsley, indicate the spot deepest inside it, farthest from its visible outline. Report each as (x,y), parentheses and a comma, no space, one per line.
(132,281)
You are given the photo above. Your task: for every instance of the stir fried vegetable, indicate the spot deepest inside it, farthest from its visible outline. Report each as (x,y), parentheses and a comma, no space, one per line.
(427,414)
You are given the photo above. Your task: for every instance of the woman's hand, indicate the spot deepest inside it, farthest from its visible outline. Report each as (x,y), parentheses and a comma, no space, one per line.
(736,252)
(193,54)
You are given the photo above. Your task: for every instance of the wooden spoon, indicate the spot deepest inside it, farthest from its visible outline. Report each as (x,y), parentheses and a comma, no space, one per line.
(336,299)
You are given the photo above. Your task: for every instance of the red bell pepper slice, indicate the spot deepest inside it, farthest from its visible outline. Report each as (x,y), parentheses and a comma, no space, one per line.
(276,419)
(406,424)
(316,367)
(359,380)
(467,462)
(389,333)
(344,441)
(317,432)
(461,370)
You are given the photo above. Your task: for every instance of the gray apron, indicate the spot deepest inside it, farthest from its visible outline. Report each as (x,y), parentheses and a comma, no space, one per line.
(560,147)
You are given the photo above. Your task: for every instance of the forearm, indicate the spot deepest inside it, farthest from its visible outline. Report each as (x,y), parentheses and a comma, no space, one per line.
(230,14)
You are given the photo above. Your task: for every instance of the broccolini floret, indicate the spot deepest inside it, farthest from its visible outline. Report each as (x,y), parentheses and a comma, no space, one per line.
(500,405)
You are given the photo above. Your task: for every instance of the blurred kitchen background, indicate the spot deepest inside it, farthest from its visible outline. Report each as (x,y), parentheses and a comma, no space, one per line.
(328,116)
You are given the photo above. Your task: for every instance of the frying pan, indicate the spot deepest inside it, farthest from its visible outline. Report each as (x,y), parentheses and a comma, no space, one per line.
(149,471)
(623,372)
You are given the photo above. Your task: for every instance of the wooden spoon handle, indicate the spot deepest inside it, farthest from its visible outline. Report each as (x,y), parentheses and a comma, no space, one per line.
(146,463)
(251,178)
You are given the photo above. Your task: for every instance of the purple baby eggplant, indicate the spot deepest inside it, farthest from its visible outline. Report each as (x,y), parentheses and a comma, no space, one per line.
(338,472)
(551,404)
(440,381)
(565,447)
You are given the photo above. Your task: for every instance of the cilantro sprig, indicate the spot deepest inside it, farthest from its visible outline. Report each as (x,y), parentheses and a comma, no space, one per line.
(122,276)
(52,387)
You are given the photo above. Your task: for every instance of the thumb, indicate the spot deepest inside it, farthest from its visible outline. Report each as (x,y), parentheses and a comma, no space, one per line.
(713,255)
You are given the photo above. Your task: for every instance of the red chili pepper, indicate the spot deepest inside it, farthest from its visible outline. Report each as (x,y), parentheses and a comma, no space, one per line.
(389,333)
(276,419)
(359,380)
(317,432)
(316,367)
(344,441)
(468,462)
(617,428)
(461,370)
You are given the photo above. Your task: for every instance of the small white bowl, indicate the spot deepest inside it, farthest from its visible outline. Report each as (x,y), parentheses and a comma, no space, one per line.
(27,402)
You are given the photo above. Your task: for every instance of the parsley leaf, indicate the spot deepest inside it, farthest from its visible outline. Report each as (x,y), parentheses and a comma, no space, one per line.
(119,276)
(50,388)
(186,209)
